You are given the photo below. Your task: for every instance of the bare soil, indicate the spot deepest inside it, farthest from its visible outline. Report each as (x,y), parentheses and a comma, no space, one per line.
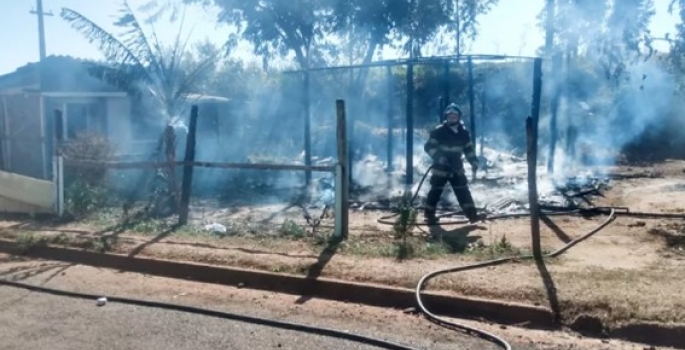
(630,271)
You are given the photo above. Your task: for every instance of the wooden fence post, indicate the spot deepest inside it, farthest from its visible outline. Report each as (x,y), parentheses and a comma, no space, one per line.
(532,156)
(342,180)
(188,168)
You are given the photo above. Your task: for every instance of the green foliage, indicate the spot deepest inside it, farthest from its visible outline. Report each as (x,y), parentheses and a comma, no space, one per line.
(499,249)
(277,28)
(85,186)
(291,229)
(308,29)
(403,227)
(26,241)
(83,198)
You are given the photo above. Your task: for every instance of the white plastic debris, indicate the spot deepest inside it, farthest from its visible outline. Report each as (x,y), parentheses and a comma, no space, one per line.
(102,301)
(216,228)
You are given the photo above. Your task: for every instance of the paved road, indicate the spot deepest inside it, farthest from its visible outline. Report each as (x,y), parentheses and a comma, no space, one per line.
(37,321)
(41,321)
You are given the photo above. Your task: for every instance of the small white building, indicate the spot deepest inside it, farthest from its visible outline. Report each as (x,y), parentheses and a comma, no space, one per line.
(27,118)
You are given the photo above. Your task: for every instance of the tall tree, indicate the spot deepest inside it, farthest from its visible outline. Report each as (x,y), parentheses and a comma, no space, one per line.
(278,28)
(312,30)
(677,53)
(465,22)
(611,31)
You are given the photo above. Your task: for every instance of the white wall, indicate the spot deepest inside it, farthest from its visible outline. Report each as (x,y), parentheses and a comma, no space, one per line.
(119,118)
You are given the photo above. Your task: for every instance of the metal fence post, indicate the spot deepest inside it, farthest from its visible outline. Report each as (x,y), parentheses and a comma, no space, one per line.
(409,151)
(58,161)
(342,180)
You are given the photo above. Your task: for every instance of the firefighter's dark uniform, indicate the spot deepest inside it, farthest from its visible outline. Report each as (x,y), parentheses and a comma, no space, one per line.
(446,145)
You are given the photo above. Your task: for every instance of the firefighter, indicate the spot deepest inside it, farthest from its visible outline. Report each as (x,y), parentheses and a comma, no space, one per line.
(446,145)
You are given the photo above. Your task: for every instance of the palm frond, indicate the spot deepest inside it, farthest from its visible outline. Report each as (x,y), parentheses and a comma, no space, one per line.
(176,57)
(181,82)
(114,50)
(136,40)
(123,79)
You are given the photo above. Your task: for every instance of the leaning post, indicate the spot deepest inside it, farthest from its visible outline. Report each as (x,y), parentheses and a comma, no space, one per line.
(342,180)
(188,168)
(532,155)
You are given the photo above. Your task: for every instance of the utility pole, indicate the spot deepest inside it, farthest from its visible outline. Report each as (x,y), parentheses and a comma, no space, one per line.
(41,26)
(41,33)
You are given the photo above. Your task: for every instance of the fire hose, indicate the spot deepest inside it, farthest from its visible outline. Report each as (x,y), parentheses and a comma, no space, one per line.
(611,212)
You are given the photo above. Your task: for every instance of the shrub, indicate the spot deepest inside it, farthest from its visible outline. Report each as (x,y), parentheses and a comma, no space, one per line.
(85,187)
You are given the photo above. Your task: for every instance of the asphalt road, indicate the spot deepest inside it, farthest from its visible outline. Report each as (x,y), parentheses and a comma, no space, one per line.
(41,321)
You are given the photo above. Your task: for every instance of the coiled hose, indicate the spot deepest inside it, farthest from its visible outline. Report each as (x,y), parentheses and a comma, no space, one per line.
(611,212)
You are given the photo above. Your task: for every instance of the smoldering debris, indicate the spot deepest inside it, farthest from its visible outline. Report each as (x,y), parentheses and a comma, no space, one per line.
(501,188)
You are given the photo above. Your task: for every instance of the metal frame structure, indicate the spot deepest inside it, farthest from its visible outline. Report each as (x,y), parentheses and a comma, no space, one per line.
(410,63)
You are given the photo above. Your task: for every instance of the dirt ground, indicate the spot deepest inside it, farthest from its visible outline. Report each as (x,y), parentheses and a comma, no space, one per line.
(630,271)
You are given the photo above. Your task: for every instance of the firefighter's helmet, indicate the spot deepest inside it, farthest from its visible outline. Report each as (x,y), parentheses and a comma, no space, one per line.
(452,108)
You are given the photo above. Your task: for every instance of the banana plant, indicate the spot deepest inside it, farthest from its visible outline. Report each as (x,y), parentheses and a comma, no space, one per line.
(155,76)
(136,62)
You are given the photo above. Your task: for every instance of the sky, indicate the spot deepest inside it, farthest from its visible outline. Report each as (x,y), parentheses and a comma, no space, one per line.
(510,28)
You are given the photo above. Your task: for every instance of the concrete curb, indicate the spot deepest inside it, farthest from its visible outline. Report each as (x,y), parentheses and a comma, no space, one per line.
(324,288)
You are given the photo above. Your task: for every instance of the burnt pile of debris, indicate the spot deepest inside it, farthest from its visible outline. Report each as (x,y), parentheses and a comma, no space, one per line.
(500,188)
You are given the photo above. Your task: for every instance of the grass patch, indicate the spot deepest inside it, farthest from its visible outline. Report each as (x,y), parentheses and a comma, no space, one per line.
(410,248)
(290,229)
(26,241)
(422,248)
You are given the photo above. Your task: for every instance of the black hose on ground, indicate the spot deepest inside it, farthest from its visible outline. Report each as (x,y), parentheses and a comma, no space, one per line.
(612,213)
(219,314)
(482,333)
